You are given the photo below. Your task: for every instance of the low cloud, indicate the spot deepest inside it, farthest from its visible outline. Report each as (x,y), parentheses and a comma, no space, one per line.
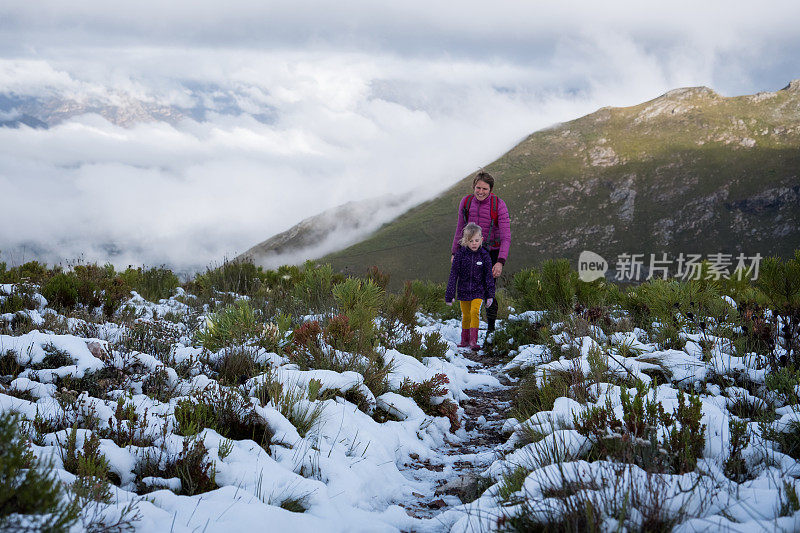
(273,129)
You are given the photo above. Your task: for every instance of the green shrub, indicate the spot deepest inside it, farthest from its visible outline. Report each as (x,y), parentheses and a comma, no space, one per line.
(85,462)
(196,472)
(635,438)
(61,292)
(402,307)
(779,281)
(153,284)
(675,305)
(418,346)
(531,396)
(289,400)
(515,333)
(30,499)
(229,413)
(153,337)
(735,466)
(32,272)
(687,439)
(313,290)
(551,287)
(424,392)
(784,383)
(431,299)
(238,277)
(360,301)
(232,325)
(22,297)
(237,365)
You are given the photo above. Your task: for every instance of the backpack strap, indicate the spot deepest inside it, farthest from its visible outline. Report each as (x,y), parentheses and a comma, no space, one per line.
(493,225)
(465,209)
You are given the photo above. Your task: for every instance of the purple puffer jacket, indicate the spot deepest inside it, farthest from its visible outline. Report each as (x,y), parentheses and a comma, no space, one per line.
(472,272)
(480,213)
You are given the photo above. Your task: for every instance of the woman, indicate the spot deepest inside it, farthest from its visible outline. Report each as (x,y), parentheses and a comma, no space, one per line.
(491,214)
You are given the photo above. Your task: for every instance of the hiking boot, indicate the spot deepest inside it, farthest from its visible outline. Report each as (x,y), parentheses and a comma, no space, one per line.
(473,340)
(464,338)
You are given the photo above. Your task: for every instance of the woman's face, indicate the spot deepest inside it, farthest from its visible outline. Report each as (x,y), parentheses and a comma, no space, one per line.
(475,243)
(482,190)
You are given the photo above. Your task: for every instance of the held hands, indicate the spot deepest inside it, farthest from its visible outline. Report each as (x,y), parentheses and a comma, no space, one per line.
(497,269)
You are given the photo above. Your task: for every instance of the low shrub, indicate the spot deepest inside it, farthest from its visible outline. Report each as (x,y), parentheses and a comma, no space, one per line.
(779,281)
(431,299)
(553,286)
(238,277)
(532,397)
(232,325)
(61,292)
(293,402)
(229,413)
(314,288)
(236,365)
(153,337)
(635,438)
(152,284)
(418,346)
(360,301)
(191,466)
(30,498)
(423,394)
(32,272)
(86,461)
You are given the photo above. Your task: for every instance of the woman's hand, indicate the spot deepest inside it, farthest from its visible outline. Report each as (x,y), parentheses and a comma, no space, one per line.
(497,269)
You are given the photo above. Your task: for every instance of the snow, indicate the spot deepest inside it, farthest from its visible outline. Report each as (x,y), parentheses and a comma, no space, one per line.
(350,472)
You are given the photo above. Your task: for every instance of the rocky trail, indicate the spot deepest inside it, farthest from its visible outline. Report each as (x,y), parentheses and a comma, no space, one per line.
(454,476)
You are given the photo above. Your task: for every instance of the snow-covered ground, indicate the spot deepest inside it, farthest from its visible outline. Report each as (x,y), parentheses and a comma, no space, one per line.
(354,470)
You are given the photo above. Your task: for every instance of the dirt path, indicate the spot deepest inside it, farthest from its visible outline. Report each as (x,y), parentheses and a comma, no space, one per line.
(454,473)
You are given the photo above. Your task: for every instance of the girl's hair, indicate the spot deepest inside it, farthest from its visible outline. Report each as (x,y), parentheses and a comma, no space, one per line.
(470,230)
(485,177)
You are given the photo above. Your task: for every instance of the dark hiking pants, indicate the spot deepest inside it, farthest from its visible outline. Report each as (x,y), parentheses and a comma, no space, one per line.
(491,311)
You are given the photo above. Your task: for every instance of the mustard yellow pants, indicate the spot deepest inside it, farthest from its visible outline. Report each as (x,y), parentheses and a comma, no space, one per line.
(470,313)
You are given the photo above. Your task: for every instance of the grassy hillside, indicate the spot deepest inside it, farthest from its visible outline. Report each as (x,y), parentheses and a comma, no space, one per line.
(690,171)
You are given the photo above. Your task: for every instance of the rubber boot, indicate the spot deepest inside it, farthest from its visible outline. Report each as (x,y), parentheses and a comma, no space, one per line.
(473,339)
(464,338)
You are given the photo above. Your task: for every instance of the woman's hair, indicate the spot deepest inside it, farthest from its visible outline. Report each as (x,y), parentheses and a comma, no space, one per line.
(470,230)
(483,176)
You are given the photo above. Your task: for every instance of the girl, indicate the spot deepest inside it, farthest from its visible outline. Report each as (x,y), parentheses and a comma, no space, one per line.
(472,272)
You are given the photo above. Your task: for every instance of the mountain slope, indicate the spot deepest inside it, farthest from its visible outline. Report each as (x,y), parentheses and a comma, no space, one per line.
(690,171)
(328,231)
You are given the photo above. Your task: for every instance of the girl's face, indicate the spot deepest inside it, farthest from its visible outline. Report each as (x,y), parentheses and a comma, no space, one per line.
(475,243)
(482,190)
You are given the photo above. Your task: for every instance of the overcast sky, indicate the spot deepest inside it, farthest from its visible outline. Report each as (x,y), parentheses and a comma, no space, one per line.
(334,102)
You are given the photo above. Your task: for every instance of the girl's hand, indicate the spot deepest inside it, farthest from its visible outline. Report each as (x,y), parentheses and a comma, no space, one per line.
(489,302)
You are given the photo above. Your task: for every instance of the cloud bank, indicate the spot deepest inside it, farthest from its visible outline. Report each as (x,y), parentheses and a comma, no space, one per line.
(303,108)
